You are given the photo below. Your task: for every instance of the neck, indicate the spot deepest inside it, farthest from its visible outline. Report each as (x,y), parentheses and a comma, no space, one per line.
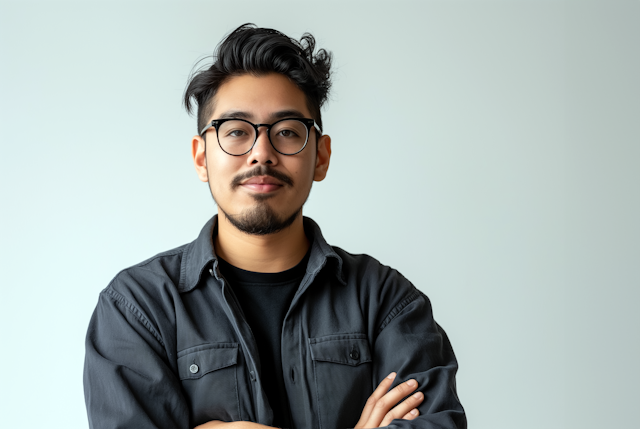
(271,253)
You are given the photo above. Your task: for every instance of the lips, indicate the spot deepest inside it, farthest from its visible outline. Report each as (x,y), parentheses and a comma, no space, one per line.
(262,184)
(262,180)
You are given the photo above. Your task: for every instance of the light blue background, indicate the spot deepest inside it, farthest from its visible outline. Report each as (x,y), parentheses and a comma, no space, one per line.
(488,150)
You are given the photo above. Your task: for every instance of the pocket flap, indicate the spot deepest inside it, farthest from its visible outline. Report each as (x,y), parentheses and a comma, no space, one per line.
(347,349)
(200,360)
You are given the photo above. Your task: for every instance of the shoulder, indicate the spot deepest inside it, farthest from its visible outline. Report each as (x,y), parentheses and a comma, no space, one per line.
(366,269)
(380,285)
(149,287)
(152,272)
(375,282)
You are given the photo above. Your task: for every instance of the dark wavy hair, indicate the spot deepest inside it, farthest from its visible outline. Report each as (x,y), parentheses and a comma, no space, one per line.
(260,51)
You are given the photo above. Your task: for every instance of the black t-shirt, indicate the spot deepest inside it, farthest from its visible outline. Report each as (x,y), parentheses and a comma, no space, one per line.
(265,299)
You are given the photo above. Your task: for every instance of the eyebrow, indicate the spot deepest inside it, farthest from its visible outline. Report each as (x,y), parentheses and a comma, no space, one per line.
(288,114)
(239,114)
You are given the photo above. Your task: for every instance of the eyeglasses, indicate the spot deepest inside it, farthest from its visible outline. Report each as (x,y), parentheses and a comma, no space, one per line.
(287,136)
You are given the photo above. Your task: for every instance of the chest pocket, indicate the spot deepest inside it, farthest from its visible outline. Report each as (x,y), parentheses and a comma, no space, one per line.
(343,376)
(208,374)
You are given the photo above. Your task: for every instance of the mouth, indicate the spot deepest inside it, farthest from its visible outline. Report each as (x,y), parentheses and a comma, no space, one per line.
(262,184)
(262,180)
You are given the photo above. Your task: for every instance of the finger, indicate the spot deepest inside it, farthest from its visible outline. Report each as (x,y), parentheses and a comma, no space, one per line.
(411,414)
(384,386)
(380,391)
(404,408)
(391,399)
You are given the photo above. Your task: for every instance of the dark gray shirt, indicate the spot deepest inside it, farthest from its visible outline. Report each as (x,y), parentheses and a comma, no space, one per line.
(168,346)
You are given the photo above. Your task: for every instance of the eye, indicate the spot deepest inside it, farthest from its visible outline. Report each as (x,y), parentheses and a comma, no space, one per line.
(288,133)
(235,130)
(236,133)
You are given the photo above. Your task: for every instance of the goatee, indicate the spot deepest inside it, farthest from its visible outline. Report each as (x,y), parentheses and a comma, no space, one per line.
(260,220)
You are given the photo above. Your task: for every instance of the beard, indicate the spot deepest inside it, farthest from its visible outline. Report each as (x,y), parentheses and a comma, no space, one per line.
(260,219)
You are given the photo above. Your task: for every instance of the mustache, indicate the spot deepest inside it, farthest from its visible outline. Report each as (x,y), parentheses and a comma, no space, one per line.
(261,170)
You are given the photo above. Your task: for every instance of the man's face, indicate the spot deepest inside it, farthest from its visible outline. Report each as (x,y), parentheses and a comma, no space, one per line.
(263,191)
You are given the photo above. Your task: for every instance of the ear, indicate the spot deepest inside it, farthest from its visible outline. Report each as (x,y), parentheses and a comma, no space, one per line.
(322,158)
(199,157)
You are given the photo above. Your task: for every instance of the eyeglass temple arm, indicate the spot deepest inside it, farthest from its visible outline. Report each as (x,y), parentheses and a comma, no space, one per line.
(318,129)
(205,129)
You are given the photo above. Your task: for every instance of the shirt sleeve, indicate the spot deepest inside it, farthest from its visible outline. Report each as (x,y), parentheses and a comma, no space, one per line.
(413,345)
(128,381)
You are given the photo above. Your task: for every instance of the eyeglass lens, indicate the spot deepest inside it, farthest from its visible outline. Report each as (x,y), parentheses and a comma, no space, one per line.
(237,137)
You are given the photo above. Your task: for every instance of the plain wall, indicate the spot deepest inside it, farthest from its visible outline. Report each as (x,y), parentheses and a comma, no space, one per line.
(487,150)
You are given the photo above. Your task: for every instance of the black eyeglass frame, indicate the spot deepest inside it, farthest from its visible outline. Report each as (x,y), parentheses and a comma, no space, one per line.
(308,123)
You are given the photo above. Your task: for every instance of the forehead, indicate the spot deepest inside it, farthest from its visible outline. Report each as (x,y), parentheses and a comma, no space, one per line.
(260,97)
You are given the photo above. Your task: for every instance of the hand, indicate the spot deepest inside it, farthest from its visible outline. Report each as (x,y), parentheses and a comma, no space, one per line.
(382,406)
(231,425)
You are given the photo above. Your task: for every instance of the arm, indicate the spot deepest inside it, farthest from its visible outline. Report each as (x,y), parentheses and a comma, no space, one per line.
(382,407)
(128,380)
(411,342)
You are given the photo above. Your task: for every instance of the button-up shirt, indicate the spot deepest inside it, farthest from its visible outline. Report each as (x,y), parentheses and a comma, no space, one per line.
(169,347)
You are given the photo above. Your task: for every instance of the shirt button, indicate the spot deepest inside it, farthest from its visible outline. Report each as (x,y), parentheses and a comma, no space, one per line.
(193,368)
(355,355)
(253,375)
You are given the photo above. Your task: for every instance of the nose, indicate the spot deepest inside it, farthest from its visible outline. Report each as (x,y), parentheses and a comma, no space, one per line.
(262,151)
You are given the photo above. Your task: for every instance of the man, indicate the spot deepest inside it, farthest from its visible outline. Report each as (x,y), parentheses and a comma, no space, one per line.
(259,322)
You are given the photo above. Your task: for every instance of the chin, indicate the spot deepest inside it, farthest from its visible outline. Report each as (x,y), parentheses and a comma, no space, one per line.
(261,220)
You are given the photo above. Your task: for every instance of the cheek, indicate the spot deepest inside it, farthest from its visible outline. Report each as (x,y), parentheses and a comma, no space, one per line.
(303,174)
(220,171)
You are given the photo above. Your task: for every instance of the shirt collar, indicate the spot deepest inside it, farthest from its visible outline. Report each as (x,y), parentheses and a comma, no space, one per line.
(199,256)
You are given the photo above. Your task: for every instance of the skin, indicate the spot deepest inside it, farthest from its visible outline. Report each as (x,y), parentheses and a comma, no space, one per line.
(385,405)
(262,100)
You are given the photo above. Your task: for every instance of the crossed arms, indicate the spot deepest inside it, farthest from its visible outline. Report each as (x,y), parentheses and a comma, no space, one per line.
(382,407)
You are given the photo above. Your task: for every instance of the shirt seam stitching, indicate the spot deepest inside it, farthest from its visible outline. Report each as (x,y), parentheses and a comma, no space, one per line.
(235,374)
(315,379)
(121,300)
(342,362)
(332,337)
(398,309)
(168,253)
